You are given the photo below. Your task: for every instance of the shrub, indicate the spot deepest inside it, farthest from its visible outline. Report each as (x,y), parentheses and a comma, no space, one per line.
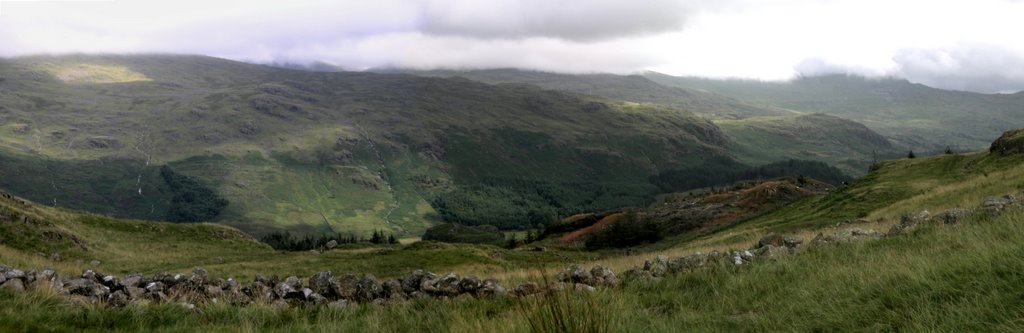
(455,233)
(631,230)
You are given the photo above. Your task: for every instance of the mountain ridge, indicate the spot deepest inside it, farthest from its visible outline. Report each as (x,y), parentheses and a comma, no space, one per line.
(324,152)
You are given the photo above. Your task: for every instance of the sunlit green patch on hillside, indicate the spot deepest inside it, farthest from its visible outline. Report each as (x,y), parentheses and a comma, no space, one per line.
(94,73)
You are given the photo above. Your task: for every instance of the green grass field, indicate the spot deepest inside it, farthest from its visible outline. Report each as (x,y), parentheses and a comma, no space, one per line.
(942,278)
(959,277)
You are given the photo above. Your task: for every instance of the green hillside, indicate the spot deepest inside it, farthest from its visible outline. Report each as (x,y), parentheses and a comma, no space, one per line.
(958,276)
(634,88)
(845,144)
(911,115)
(763,133)
(33,235)
(314,152)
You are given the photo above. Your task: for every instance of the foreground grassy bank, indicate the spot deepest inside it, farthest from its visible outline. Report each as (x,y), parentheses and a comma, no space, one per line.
(962,277)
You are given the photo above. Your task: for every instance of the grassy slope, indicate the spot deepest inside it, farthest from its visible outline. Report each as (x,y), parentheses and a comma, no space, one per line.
(762,134)
(962,277)
(839,142)
(124,246)
(912,115)
(634,88)
(310,151)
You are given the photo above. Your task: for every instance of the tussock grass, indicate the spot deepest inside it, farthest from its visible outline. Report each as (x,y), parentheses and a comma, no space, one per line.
(963,277)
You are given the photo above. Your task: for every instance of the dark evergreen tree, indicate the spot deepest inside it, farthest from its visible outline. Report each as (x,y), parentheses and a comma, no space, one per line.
(377,237)
(190,201)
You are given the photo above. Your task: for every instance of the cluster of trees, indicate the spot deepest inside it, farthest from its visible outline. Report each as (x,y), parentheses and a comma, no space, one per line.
(631,230)
(285,241)
(455,233)
(530,237)
(725,171)
(190,200)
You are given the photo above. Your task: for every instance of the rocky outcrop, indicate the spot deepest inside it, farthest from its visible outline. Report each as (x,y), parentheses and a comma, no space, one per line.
(596,276)
(996,205)
(1011,142)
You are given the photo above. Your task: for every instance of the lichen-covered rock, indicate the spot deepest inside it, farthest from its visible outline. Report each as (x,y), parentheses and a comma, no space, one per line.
(469,285)
(135,292)
(447,285)
(658,267)
(491,288)
(92,276)
(231,285)
(78,286)
(638,274)
(603,276)
(792,241)
(583,287)
(13,284)
(110,281)
(412,282)
(909,222)
(317,299)
(688,263)
(771,239)
(132,280)
(368,288)
(291,288)
(428,285)
(771,252)
(527,289)
(213,291)
(346,286)
(258,291)
(322,283)
(822,240)
(199,276)
(392,289)
(575,274)
(118,299)
(996,205)
(11,273)
(741,257)
(953,215)
(45,274)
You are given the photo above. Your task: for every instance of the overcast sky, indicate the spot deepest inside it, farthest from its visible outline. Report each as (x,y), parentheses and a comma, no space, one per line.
(967,45)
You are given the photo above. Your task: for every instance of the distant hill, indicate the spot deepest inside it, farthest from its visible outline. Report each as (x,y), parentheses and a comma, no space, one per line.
(633,88)
(843,143)
(763,133)
(314,152)
(912,115)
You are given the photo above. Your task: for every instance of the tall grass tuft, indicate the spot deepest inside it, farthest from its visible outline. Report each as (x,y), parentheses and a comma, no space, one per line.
(565,311)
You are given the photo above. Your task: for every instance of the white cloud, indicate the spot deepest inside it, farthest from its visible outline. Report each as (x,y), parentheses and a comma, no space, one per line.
(571,20)
(946,43)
